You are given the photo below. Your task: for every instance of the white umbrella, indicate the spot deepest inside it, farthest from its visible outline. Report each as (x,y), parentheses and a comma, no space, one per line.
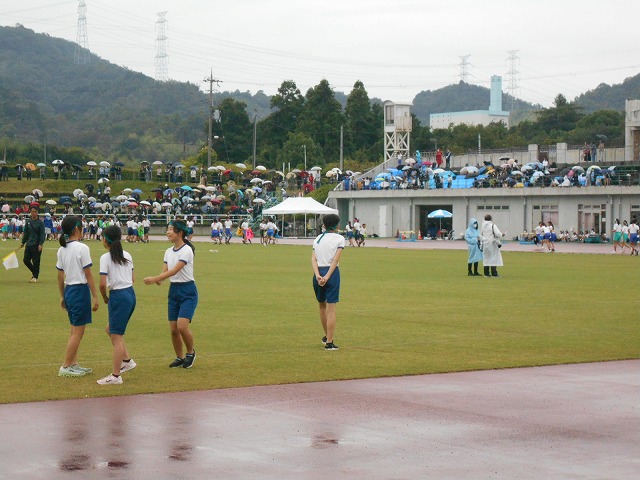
(241,166)
(127,191)
(410,161)
(315,169)
(202,187)
(29,199)
(261,168)
(266,182)
(144,202)
(330,174)
(157,162)
(336,170)
(57,162)
(256,180)
(278,172)
(210,189)
(77,192)
(384,184)
(91,163)
(121,198)
(259,200)
(37,191)
(222,168)
(105,164)
(212,169)
(51,202)
(103,180)
(156,205)
(577,168)
(91,199)
(166,204)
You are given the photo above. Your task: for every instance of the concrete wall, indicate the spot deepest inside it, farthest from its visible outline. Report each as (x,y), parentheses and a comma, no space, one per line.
(514,209)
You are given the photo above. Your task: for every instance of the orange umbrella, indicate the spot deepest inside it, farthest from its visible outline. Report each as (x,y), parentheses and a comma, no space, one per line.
(30,166)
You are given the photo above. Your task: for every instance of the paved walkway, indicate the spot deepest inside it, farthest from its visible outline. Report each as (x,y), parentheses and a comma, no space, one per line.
(558,422)
(509,246)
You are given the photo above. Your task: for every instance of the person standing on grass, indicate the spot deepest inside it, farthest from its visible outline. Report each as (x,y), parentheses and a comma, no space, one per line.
(491,236)
(33,240)
(327,249)
(633,236)
(116,275)
(183,294)
(78,295)
(475,254)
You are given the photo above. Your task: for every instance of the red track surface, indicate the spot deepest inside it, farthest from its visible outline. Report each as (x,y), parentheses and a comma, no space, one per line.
(569,421)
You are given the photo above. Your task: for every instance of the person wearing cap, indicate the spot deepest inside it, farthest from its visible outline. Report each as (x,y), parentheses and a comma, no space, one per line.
(32,240)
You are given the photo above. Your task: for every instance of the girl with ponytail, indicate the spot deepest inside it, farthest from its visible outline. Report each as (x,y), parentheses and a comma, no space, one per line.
(116,287)
(78,294)
(183,294)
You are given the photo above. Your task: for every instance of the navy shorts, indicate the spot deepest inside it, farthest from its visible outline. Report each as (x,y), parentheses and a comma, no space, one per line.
(633,238)
(122,303)
(330,291)
(77,298)
(183,300)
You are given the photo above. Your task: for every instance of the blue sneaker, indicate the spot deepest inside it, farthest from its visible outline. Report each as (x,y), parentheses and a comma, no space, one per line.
(189,358)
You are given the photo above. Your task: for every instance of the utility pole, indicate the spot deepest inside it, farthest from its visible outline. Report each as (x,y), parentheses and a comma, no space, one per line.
(162,59)
(211,81)
(512,75)
(255,136)
(464,68)
(304,148)
(81,55)
(341,147)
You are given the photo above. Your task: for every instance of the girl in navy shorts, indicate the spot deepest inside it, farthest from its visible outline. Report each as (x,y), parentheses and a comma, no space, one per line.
(327,249)
(78,294)
(116,275)
(183,294)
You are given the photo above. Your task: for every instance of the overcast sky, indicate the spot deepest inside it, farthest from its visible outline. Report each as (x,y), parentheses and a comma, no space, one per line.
(397,48)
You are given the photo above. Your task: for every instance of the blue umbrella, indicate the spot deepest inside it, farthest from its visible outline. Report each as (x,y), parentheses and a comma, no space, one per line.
(137,190)
(186,187)
(440,214)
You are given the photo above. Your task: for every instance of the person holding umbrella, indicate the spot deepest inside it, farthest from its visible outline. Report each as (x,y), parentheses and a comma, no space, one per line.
(33,239)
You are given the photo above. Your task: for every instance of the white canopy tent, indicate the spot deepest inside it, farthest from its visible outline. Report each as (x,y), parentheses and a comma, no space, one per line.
(295,205)
(300,205)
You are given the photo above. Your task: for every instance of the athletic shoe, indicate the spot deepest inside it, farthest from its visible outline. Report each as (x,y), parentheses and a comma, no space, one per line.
(331,346)
(81,369)
(33,280)
(126,366)
(176,363)
(324,340)
(189,358)
(69,372)
(110,380)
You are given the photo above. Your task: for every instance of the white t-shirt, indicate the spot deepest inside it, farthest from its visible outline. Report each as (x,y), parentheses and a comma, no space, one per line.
(72,260)
(183,254)
(228,224)
(326,245)
(118,276)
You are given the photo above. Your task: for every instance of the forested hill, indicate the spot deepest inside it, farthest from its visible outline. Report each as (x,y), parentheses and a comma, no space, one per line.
(459,97)
(43,92)
(610,97)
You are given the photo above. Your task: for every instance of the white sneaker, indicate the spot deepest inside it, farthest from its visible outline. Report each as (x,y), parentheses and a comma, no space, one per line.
(33,280)
(126,366)
(69,372)
(110,380)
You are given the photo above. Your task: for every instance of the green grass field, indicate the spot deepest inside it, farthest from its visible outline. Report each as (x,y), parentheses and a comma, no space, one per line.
(402,312)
